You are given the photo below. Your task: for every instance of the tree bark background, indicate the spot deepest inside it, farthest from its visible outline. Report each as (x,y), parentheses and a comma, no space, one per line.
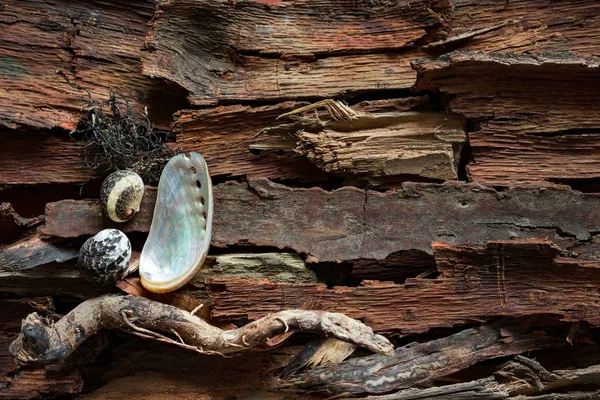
(449,200)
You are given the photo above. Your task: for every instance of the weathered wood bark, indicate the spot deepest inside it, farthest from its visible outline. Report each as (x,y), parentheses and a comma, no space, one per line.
(417,364)
(523,26)
(349,223)
(222,135)
(531,122)
(538,115)
(380,148)
(54,53)
(285,50)
(504,278)
(519,379)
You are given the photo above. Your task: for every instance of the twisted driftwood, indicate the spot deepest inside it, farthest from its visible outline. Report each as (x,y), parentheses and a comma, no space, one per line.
(42,342)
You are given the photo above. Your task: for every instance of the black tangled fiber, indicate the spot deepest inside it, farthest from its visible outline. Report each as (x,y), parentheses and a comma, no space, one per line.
(118,137)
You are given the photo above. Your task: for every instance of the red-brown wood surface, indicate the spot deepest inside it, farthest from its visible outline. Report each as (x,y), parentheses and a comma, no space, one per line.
(351,223)
(538,116)
(504,278)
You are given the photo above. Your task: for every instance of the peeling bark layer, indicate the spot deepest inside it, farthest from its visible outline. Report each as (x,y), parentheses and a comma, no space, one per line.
(256,51)
(539,116)
(505,278)
(350,223)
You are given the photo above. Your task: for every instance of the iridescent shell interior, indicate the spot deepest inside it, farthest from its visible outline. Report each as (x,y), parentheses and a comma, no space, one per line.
(181,227)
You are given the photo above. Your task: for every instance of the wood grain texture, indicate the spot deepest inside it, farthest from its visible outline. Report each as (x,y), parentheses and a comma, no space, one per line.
(538,116)
(521,278)
(40,157)
(351,223)
(418,364)
(224,136)
(519,26)
(288,50)
(53,53)
(411,146)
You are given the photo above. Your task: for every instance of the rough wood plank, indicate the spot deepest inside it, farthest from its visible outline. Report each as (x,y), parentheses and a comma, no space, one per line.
(51,53)
(288,50)
(518,379)
(40,158)
(533,26)
(418,364)
(43,267)
(223,136)
(539,116)
(505,278)
(350,223)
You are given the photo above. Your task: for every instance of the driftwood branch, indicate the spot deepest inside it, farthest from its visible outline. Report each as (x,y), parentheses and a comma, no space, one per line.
(42,342)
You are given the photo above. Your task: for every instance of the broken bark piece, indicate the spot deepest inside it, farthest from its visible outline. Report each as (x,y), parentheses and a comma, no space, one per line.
(518,379)
(277,267)
(226,138)
(40,158)
(539,134)
(81,47)
(505,278)
(44,343)
(222,135)
(142,370)
(374,146)
(523,26)
(418,364)
(352,224)
(254,52)
(37,250)
(12,224)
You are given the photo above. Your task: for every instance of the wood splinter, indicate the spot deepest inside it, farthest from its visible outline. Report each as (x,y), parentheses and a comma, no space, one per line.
(43,342)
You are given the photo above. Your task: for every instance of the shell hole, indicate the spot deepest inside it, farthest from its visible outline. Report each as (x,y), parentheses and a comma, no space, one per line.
(198,183)
(193,169)
(204,214)
(202,200)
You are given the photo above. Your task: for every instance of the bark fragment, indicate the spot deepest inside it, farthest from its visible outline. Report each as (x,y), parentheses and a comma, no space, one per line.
(381,148)
(417,364)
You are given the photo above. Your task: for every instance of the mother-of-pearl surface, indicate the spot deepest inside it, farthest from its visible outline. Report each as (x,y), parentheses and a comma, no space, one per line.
(181,227)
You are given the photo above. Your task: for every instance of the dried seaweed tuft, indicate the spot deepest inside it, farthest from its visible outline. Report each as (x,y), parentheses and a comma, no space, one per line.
(119,137)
